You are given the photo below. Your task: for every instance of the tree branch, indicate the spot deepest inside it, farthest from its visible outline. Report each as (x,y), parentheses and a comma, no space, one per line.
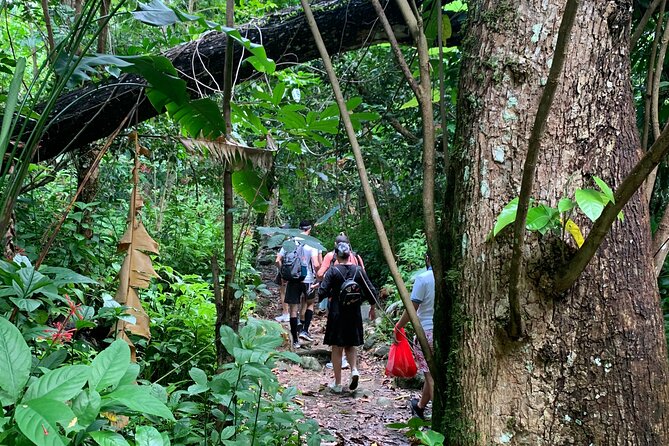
(401,61)
(529,168)
(644,20)
(285,36)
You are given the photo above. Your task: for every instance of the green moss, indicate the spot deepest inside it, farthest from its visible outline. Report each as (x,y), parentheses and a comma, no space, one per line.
(502,17)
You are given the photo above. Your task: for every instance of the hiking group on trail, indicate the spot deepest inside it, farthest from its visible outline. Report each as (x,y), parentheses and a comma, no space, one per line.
(340,283)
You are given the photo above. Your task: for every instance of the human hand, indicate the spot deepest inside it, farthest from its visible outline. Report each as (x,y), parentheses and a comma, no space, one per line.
(372,313)
(397,333)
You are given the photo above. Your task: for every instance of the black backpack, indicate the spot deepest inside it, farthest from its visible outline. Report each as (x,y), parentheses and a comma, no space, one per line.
(350,292)
(294,265)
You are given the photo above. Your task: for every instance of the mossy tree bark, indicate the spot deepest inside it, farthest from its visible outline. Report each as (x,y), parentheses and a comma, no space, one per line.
(592,367)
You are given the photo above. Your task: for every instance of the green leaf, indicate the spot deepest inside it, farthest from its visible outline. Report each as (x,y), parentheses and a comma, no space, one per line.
(27,305)
(15,359)
(61,384)
(38,420)
(109,366)
(327,216)
(201,117)
(198,375)
(591,202)
(252,188)
(608,193)
(229,338)
(86,406)
(54,359)
(30,281)
(107,438)
(155,14)
(540,216)
(565,205)
(148,436)
(138,399)
(64,276)
(277,93)
(506,217)
(430,437)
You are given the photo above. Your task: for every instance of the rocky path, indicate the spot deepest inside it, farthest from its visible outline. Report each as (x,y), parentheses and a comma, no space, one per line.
(352,418)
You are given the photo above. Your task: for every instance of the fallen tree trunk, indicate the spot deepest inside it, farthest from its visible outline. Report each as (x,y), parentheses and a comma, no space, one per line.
(346,26)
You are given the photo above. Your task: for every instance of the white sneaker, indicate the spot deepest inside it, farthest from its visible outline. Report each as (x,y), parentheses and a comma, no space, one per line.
(296,345)
(335,388)
(283,318)
(355,377)
(344,364)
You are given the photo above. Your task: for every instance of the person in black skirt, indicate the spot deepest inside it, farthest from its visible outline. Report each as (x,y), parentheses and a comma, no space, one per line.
(343,331)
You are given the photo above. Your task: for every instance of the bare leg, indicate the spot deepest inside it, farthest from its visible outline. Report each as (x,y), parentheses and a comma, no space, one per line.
(336,363)
(282,295)
(352,357)
(428,387)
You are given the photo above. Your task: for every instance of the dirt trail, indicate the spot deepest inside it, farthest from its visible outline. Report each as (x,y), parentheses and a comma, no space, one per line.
(353,418)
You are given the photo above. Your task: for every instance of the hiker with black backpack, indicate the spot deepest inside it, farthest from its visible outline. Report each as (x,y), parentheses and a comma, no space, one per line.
(347,286)
(331,257)
(298,268)
(329,260)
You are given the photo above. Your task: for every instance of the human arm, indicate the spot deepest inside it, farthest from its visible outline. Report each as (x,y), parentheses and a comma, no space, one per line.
(404,319)
(325,287)
(325,265)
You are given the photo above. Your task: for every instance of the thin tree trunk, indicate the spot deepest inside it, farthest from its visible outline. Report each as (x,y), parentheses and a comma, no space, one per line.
(220,309)
(88,173)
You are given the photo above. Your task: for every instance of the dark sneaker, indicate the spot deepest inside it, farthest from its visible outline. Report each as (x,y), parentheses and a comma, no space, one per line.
(304,335)
(355,377)
(417,411)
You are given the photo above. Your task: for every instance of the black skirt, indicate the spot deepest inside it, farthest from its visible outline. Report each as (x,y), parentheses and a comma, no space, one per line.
(344,325)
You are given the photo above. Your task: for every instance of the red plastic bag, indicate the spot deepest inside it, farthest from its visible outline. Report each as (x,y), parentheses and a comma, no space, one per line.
(400,358)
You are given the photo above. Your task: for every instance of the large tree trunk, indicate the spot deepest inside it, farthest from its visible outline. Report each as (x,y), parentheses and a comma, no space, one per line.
(592,367)
(345,25)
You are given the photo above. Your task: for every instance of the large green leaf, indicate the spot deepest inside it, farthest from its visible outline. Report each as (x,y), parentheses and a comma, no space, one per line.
(148,436)
(38,420)
(86,406)
(591,202)
(139,399)
(201,117)
(506,217)
(15,360)
(65,276)
(107,438)
(61,384)
(27,305)
(251,187)
(109,366)
(155,14)
(229,338)
(30,282)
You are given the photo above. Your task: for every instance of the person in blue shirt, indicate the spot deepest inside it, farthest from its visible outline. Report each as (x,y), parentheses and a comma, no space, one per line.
(422,297)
